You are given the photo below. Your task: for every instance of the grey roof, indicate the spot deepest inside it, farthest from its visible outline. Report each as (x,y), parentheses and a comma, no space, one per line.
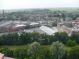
(6,23)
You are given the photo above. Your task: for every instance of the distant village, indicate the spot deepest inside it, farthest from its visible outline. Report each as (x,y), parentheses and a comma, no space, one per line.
(57,23)
(47,27)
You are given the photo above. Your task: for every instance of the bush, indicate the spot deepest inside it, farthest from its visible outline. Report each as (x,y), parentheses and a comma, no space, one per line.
(7,52)
(20,53)
(74,53)
(71,43)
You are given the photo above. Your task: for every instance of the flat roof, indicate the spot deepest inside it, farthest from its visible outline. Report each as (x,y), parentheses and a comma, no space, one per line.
(20,25)
(34,23)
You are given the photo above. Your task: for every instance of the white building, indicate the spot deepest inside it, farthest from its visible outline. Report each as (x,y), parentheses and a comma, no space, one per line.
(49,31)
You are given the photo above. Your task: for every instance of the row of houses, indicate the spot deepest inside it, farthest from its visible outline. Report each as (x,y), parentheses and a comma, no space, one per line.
(69,27)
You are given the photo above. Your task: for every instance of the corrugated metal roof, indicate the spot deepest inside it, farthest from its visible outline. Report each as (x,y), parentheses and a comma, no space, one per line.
(48,30)
(6,23)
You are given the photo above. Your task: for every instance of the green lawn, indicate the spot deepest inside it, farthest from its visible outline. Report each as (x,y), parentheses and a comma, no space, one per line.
(13,47)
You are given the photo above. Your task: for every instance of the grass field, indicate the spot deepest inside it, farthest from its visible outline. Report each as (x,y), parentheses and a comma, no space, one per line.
(13,47)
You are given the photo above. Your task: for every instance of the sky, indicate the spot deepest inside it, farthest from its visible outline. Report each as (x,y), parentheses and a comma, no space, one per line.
(23,4)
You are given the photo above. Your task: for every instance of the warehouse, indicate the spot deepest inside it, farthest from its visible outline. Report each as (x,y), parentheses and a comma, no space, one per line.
(49,31)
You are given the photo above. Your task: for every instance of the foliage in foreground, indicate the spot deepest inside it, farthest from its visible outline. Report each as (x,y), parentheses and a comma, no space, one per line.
(56,50)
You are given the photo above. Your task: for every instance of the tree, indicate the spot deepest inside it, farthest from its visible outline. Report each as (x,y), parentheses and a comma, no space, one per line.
(74,53)
(33,50)
(20,53)
(61,36)
(75,36)
(71,42)
(6,52)
(57,50)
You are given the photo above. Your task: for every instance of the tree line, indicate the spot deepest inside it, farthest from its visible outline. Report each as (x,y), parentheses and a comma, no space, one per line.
(39,15)
(43,39)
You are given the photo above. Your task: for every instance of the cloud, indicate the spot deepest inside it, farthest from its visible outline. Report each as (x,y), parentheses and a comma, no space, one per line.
(17,4)
(1,4)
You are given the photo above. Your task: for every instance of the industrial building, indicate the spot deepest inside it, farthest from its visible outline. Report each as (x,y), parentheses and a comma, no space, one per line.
(49,31)
(11,26)
(43,30)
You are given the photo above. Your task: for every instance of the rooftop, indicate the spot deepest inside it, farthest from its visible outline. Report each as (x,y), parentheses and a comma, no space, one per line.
(48,30)
(4,57)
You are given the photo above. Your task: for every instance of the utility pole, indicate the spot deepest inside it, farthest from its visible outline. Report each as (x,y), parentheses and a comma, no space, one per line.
(61,18)
(3,14)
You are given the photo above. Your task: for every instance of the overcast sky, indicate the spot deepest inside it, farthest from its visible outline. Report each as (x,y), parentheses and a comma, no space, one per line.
(18,4)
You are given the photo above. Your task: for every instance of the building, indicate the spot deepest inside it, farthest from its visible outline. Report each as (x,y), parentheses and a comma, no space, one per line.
(69,27)
(34,24)
(11,26)
(49,31)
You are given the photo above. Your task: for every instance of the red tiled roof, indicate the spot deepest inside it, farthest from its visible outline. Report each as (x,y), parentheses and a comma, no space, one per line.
(1,56)
(4,57)
(8,58)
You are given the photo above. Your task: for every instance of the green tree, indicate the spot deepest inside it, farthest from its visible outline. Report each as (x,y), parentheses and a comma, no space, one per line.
(34,50)
(74,53)
(61,36)
(71,42)
(20,53)
(7,52)
(57,50)
(75,36)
